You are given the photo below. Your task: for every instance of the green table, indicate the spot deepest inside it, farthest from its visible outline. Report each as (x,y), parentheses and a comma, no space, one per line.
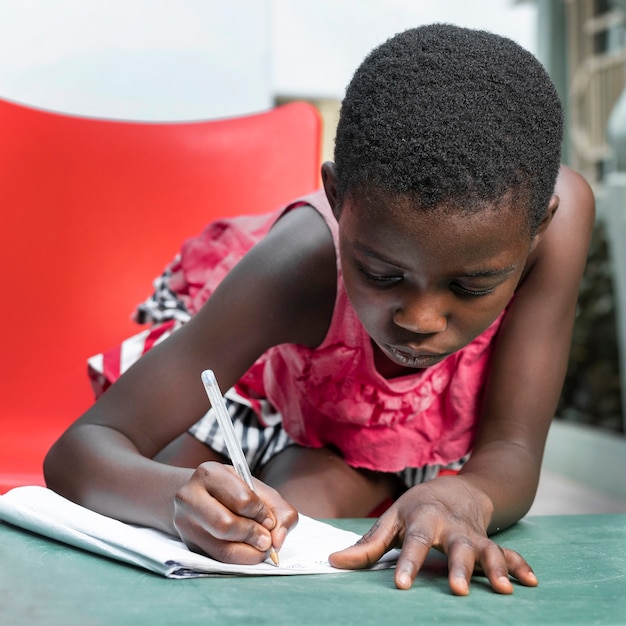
(580,561)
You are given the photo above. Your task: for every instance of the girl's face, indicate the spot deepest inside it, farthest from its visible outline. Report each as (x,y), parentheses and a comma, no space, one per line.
(425,283)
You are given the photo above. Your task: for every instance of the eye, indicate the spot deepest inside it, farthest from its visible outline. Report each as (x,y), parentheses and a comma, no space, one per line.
(471,293)
(379,279)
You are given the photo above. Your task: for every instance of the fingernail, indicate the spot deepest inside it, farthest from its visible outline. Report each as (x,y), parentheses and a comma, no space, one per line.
(404,580)
(269,523)
(279,536)
(263,543)
(462,585)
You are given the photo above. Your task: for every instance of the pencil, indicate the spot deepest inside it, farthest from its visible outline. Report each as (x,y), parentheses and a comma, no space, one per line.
(232,443)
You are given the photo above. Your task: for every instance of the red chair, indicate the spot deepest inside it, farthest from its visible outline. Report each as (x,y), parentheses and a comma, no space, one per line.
(91,211)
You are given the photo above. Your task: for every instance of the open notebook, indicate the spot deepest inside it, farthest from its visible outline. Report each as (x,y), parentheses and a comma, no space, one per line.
(43,511)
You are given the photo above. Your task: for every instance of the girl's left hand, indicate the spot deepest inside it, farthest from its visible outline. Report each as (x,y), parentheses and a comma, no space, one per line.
(446,514)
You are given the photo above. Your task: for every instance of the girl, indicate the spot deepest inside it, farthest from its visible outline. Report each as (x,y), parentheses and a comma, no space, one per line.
(417,310)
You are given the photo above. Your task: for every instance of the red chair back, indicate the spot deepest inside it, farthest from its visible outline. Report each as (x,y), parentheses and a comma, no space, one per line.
(91,211)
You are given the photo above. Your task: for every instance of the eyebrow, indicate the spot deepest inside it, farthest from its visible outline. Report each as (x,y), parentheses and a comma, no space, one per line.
(504,271)
(376,255)
(487,273)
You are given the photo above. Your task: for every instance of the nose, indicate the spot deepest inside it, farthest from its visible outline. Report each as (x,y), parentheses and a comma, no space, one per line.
(422,314)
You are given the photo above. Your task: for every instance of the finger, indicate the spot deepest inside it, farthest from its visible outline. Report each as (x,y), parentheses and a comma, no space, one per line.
(223,483)
(519,568)
(380,538)
(201,530)
(494,565)
(265,506)
(284,515)
(415,547)
(217,504)
(462,557)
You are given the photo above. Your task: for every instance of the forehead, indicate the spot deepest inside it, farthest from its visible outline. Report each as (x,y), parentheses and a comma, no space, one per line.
(399,230)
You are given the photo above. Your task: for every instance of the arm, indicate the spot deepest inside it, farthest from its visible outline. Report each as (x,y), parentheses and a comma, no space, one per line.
(531,359)
(497,485)
(282,291)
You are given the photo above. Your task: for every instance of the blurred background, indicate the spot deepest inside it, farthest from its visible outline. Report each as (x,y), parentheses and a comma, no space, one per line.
(161,60)
(188,59)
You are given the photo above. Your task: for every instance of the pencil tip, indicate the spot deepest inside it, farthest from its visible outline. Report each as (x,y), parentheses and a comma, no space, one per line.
(274,557)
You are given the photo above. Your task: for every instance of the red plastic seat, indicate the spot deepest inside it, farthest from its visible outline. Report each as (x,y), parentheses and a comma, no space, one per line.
(91,210)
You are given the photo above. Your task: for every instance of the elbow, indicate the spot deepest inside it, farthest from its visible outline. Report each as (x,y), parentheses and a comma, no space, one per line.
(58,467)
(52,466)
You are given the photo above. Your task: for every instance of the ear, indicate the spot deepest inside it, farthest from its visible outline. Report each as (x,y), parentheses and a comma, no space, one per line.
(329,180)
(553,205)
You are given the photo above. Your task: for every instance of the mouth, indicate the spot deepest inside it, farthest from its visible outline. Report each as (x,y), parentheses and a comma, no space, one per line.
(416,359)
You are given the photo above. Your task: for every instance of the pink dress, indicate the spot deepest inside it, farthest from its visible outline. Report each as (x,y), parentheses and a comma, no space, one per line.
(332,396)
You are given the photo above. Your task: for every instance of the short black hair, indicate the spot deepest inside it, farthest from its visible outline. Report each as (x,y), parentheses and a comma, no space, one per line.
(451,116)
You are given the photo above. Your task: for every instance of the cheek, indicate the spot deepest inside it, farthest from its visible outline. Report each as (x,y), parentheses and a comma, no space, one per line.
(371,307)
(471,321)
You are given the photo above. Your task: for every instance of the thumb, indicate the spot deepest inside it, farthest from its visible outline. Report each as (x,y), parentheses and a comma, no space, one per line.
(379,539)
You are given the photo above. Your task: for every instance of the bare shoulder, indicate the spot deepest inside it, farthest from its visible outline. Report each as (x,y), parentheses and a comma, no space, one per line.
(562,250)
(298,258)
(290,277)
(303,236)
(576,198)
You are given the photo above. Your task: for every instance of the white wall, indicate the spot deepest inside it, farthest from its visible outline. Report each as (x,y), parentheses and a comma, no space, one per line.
(141,59)
(198,59)
(319,43)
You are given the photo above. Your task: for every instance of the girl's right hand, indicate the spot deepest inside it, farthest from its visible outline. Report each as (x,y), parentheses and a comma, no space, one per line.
(216,513)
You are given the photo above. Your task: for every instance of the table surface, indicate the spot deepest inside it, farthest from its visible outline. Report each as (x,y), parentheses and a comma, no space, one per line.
(580,561)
